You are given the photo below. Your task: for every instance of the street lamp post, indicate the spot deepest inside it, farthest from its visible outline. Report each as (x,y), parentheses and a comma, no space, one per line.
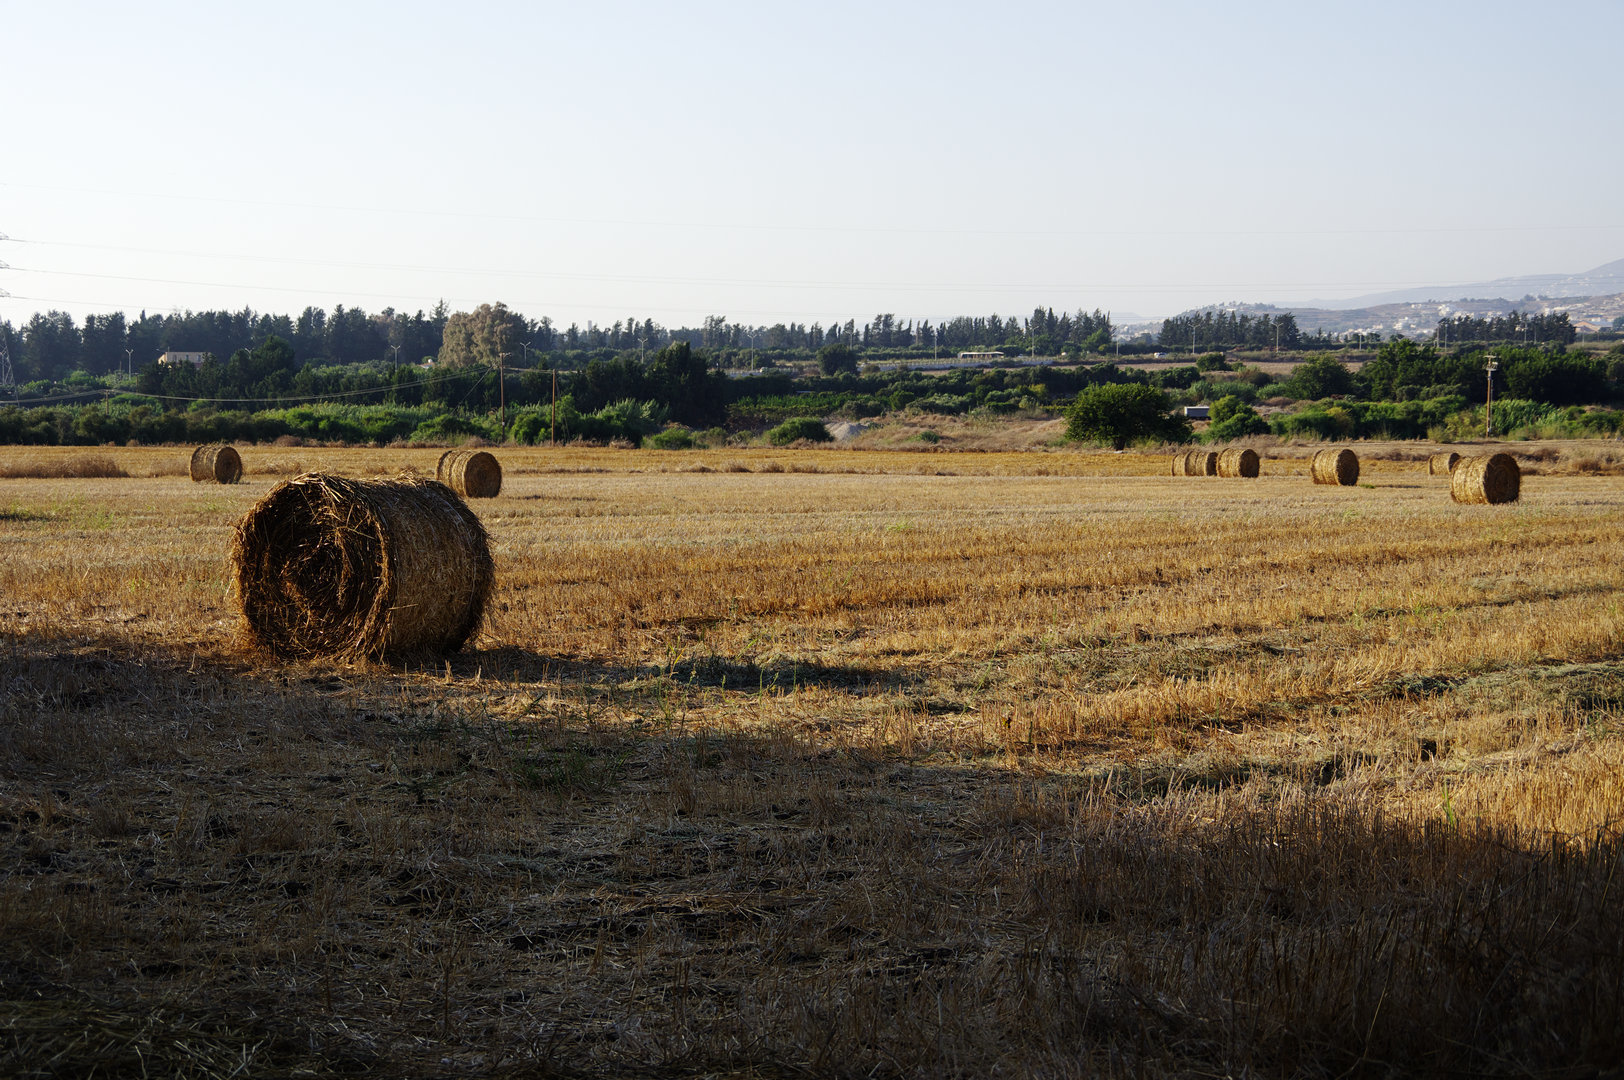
(1491,366)
(129,361)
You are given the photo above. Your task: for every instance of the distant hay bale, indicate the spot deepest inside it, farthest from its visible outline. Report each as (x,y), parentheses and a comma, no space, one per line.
(1335,467)
(1196,463)
(473,474)
(1442,464)
(330,566)
(216,463)
(1492,479)
(1238,461)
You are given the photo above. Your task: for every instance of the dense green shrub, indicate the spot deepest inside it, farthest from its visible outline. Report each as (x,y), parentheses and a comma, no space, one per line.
(1179,378)
(1232,418)
(1368,419)
(797,428)
(1318,377)
(672,438)
(1122,413)
(1213,389)
(943,404)
(451,428)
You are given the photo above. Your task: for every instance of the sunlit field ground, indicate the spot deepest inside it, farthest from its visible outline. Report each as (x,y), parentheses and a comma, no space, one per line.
(829,763)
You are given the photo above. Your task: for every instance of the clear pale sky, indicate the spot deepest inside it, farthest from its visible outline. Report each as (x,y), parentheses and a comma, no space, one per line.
(768,162)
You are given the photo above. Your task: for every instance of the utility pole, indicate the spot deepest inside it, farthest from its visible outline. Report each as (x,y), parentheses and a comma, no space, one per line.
(553,437)
(501,391)
(129,361)
(1491,367)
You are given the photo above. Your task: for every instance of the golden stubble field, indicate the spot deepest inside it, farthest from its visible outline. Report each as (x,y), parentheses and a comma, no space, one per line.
(828,763)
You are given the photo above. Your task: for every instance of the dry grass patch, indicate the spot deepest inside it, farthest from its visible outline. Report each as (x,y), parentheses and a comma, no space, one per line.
(766,772)
(80,466)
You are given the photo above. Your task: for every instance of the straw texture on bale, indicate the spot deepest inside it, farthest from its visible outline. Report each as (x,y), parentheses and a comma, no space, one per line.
(216,463)
(1442,464)
(1238,461)
(473,474)
(331,566)
(1492,479)
(1335,467)
(1195,463)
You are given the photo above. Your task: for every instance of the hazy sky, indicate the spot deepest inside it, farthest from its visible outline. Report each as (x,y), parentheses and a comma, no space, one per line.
(821,162)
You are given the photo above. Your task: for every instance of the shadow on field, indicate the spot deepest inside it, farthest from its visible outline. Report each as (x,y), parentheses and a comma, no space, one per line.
(513,664)
(210,869)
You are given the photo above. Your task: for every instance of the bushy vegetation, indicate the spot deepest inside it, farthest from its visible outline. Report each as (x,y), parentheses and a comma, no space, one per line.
(626,397)
(798,428)
(1232,418)
(1123,413)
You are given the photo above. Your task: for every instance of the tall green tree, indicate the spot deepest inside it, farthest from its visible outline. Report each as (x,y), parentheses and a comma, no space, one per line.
(836,358)
(1318,377)
(481,336)
(104,343)
(51,346)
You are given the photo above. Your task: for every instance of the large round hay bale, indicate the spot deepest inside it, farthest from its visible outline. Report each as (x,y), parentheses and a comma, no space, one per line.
(1179,462)
(1491,479)
(1442,464)
(1335,467)
(216,463)
(1238,461)
(1201,463)
(473,474)
(331,566)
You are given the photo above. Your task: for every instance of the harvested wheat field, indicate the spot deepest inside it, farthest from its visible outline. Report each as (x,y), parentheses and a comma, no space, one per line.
(829,763)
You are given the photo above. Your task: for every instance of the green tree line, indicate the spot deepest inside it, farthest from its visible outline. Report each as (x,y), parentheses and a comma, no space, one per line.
(52,346)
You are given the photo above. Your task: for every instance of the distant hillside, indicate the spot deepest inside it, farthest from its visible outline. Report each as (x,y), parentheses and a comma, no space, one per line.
(1414,320)
(1603,280)
(1595,295)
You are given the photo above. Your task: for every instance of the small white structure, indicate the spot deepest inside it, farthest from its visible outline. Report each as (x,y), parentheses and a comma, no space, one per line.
(172,358)
(1196,412)
(993,354)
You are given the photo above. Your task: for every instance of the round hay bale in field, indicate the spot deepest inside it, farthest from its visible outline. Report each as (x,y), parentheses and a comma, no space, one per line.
(331,566)
(1238,461)
(1202,463)
(1492,479)
(1442,464)
(1180,461)
(217,463)
(473,474)
(1335,467)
